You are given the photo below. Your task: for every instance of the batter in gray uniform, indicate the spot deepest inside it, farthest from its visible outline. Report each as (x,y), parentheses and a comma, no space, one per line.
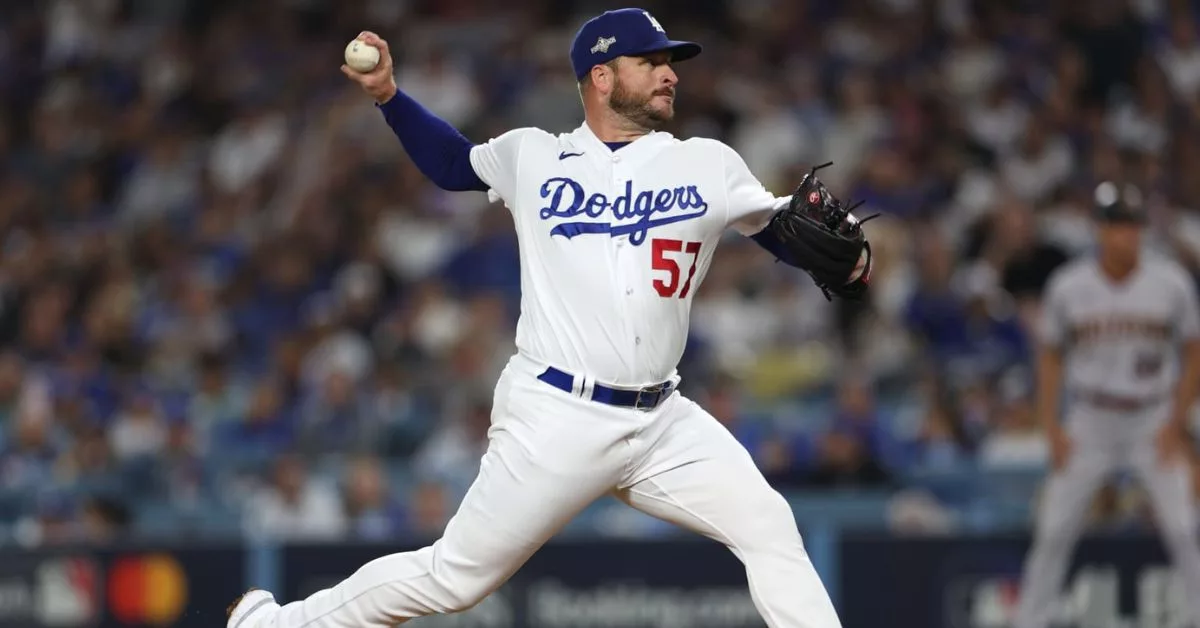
(1120,340)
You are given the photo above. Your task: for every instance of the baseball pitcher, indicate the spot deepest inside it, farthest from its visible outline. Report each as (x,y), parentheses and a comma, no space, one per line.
(1121,340)
(616,223)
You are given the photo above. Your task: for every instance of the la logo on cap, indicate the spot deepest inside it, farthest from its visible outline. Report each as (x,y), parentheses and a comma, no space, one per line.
(653,22)
(603,43)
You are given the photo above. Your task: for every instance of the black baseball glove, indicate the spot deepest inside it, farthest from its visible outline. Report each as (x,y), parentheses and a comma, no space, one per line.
(818,234)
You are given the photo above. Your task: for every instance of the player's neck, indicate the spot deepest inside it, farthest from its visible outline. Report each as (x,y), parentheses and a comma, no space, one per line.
(614,130)
(1117,271)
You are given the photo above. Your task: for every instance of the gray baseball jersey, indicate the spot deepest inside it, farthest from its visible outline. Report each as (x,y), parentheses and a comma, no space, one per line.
(1121,347)
(1120,339)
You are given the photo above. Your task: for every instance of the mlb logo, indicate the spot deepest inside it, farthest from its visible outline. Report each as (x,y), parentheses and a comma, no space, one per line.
(994,603)
(980,601)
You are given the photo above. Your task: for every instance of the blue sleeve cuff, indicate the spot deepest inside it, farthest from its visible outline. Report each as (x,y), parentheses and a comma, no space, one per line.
(767,240)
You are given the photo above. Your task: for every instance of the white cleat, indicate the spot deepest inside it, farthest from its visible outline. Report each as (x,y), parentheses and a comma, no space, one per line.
(254,609)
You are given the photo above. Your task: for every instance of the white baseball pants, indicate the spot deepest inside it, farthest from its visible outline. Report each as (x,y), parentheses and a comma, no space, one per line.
(550,454)
(1104,443)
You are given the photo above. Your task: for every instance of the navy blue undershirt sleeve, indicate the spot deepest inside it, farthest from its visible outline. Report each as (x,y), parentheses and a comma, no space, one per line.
(439,151)
(773,245)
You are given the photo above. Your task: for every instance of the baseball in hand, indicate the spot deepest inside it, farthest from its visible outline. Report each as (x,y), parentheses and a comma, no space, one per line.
(361,57)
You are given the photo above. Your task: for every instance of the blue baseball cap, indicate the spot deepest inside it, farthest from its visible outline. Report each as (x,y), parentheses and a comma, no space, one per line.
(623,32)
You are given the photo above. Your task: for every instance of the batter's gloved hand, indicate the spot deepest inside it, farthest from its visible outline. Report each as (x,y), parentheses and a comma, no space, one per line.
(822,237)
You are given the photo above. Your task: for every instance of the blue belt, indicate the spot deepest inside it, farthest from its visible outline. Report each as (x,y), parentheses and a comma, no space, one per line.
(645,399)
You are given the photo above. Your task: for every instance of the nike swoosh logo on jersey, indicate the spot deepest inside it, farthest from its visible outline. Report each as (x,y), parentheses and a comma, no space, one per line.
(568,199)
(564,155)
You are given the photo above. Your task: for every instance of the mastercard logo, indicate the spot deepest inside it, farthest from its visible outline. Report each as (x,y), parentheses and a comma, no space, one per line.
(148,589)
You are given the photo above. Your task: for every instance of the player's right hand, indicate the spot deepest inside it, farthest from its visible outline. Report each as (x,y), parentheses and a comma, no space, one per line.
(1060,448)
(380,82)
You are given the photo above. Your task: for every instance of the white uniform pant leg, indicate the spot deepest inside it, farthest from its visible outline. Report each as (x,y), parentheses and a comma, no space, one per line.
(547,459)
(1062,516)
(694,473)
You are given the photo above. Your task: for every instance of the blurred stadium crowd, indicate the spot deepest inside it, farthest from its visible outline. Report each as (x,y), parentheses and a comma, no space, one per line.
(230,304)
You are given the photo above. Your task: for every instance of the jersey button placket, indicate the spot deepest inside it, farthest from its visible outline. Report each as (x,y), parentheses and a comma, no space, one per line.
(626,258)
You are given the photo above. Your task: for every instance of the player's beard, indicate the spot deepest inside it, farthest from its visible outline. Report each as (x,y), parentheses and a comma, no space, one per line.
(639,109)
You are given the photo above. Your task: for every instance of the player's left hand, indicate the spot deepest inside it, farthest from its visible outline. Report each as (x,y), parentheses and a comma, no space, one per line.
(825,239)
(1169,443)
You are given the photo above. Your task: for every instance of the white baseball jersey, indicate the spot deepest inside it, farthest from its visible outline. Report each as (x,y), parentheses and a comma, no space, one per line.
(1121,338)
(614,244)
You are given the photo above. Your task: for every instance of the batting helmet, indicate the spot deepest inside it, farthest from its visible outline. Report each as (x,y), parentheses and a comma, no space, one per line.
(1115,203)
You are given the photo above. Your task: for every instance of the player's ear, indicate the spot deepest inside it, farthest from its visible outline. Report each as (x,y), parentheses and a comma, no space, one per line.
(602,77)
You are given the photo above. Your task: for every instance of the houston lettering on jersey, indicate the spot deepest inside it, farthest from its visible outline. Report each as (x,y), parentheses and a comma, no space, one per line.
(1119,328)
(568,199)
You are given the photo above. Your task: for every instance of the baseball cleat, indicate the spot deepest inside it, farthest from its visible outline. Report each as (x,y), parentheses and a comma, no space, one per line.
(251,610)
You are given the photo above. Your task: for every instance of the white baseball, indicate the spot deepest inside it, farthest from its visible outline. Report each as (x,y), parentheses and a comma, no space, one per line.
(361,57)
